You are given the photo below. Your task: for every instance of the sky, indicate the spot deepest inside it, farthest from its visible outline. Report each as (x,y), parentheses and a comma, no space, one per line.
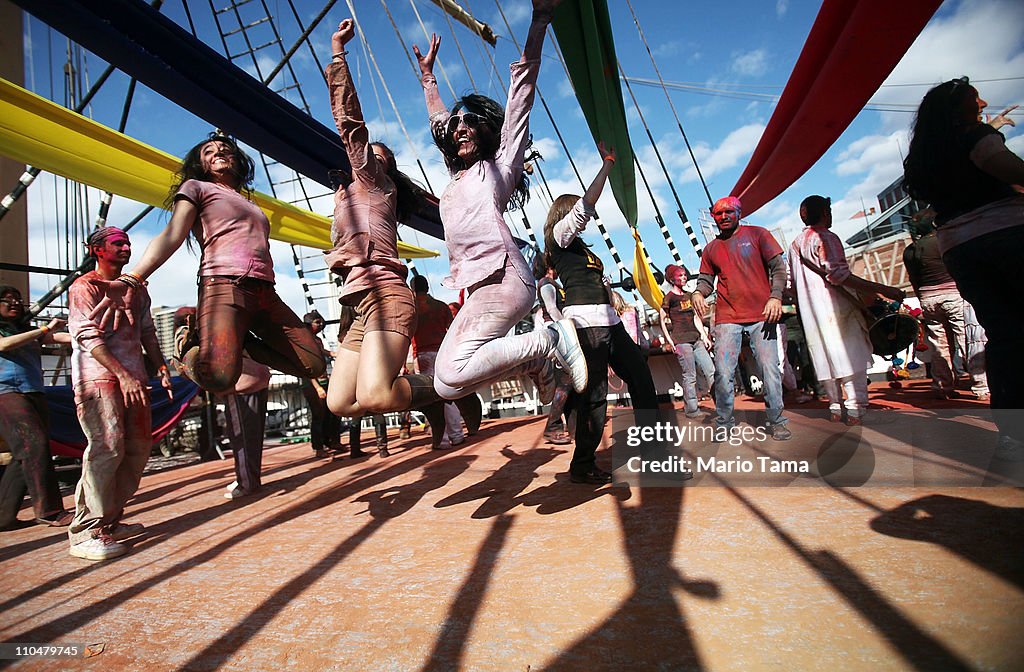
(724,65)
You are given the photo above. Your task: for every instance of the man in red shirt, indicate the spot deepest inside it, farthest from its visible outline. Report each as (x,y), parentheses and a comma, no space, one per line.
(751,274)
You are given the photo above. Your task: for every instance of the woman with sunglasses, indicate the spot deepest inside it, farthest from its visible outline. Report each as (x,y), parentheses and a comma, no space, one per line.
(483,148)
(960,164)
(238,306)
(24,424)
(365,234)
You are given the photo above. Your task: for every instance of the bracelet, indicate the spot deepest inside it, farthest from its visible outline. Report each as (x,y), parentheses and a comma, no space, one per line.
(163,369)
(609,158)
(133,280)
(339,54)
(45,329)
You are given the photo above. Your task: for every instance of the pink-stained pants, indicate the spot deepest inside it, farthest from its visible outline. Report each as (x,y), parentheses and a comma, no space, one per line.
(120,440)
(476,349)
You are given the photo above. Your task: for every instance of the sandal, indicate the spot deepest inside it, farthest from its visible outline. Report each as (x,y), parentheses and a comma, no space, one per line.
(63,519)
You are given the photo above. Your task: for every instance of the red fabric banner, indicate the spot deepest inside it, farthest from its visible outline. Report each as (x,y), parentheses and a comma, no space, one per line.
(852,48)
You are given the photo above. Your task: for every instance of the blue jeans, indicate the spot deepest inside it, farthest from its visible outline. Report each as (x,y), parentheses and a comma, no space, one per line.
(764,344)
(693,357)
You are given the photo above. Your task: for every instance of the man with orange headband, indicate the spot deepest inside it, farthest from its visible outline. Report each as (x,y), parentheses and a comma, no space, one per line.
(751,274)
(109,376)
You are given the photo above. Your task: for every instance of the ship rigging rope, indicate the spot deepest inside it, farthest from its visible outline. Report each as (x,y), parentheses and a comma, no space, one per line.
(673,107)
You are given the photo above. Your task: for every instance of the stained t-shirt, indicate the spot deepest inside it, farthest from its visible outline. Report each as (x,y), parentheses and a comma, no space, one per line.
(679,309)
(232,231)
(741,264)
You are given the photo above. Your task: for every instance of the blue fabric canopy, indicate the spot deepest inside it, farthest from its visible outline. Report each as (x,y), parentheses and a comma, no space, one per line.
(66,436)
(150,47)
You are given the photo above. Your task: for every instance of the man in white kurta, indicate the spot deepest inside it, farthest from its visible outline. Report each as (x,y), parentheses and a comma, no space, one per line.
(834,325)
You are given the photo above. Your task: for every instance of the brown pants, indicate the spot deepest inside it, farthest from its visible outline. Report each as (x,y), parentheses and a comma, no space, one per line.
(236,313)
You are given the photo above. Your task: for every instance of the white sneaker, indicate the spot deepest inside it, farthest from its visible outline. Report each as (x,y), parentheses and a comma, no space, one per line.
(98,549)
(122,531)
(235,491)
(569,354)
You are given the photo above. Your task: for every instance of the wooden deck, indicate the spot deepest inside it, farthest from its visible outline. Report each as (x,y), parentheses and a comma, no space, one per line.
(486,558)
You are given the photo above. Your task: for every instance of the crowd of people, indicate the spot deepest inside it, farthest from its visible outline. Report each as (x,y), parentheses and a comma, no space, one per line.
(962,264)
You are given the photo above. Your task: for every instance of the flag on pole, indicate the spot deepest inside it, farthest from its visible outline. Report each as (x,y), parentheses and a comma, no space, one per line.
(646,284)
(584,32)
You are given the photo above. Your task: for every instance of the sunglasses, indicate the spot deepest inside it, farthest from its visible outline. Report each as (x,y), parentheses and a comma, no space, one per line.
(13,302)
(960,81)
(470,119)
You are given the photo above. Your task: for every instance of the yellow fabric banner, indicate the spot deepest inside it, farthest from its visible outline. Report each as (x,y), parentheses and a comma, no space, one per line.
(642,276)
(41,133)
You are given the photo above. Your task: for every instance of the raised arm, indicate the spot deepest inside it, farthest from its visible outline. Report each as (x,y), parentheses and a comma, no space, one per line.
(543,11)
(593,192)
(348,114)
(436,108)
(570,226)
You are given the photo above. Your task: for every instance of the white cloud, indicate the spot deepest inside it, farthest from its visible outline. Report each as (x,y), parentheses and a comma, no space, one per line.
(781,6)
(736,146)
(750,64)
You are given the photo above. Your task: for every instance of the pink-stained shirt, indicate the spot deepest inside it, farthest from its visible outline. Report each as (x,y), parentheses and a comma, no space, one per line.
(474,202)
(125,344)
(823,248)
(232,231)
(741,264)
(365,228)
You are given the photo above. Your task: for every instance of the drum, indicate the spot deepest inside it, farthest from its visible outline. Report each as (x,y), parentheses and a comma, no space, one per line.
(892,332)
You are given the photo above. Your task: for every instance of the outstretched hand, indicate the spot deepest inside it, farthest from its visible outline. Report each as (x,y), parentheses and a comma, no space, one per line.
(114,305)
(346,31)
(607,153)
(427,62)
(1001,119)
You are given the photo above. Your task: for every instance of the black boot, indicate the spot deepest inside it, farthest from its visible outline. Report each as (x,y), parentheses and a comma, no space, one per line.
(355,432)
(472,412)
(422,390)
(434,414)
(381,430)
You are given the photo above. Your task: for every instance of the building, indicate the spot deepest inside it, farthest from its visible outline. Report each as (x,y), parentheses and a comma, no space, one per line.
(876,251)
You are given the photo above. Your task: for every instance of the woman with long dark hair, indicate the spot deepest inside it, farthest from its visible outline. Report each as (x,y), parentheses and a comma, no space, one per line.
(24,416)
(960,164)
(367,209)
(604,340)
(483,147)
(238,306)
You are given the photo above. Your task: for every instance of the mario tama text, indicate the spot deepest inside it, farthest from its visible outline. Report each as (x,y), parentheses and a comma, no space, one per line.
(675,464)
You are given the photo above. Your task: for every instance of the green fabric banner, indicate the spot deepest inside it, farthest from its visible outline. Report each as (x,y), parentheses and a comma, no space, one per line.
(584,33)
